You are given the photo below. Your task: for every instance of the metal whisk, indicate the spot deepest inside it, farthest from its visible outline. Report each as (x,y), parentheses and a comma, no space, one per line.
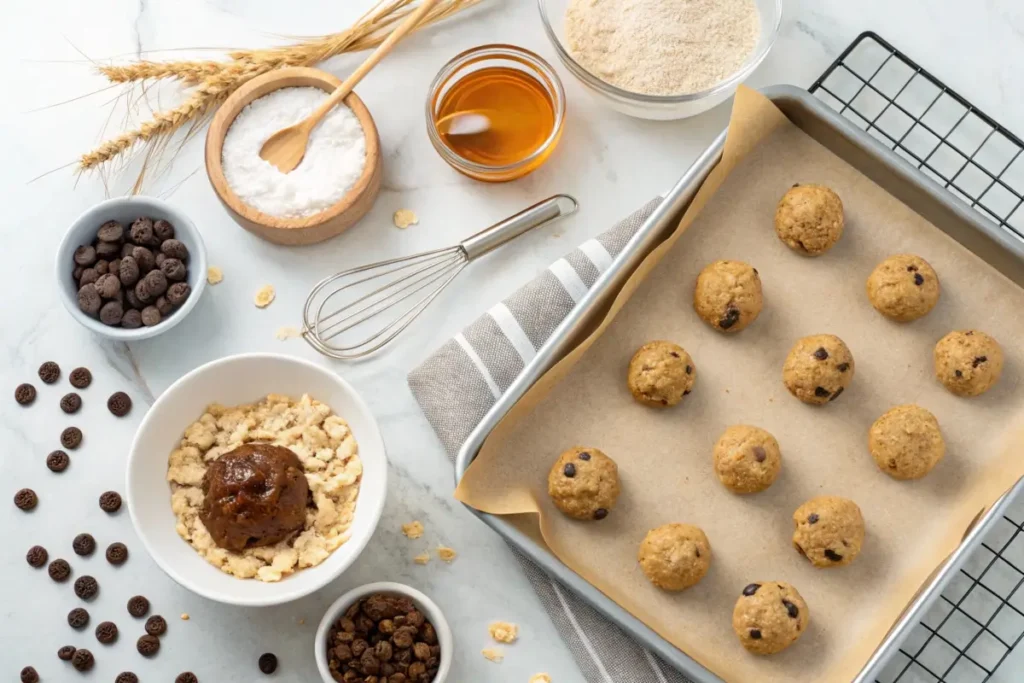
(354,313)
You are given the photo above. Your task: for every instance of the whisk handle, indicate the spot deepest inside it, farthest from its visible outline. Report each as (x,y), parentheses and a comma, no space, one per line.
(498,234)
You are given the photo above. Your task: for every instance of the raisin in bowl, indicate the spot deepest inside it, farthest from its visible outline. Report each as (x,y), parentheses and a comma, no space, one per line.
(103,237)
(382,629)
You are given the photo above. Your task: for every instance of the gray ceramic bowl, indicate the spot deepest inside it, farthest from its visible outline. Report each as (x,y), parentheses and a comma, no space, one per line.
(125,210)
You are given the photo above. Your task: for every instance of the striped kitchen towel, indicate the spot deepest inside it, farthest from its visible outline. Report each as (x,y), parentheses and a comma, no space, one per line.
(459,383)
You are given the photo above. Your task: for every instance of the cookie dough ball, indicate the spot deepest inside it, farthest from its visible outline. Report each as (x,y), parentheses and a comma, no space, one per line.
(906,442)
(728,295)
(818,369)
(769,617)
(809,219)
(829,531)
(661,374)
(968,362)
(903,287)
(675,556)
(747,459)
(584,483)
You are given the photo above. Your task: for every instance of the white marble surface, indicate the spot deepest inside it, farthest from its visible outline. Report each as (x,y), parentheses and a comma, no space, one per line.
(610,162)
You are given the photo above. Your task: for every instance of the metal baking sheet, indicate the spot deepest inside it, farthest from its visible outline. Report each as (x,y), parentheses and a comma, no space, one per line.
(1003,251)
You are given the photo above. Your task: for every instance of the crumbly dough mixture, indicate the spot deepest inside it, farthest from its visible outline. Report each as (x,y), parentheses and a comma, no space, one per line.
(329,455)
(503,631)
(413,529)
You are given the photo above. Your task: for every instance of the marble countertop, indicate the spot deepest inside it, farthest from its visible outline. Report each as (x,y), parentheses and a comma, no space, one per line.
(611,163)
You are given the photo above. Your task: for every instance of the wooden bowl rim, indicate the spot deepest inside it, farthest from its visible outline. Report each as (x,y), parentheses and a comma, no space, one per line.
(297,76)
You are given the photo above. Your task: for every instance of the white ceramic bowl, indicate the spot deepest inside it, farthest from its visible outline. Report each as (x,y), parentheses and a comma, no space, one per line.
(125,210)
(426,605)
(233,381)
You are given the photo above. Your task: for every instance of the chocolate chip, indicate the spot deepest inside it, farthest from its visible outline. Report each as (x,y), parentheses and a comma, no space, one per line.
(82,660)
(268,663)
(759,454)
(78,618)
(86,587)
(58,461)
(686,393)
(106,632)
(800,549)
(138,606)
(730,318)
(85,255)
(29,675)
(843,367)
(49,372)
(80,378)
(978,360)
(71,438)
(178,292)
(156,625)
(751,589)
(837,394)
(117,553)
(26,499)
(66,653)
(673,354)
(119,403)
(833,555)
(584,456)
(689,369)
(84,545)
(968,333)
(147,645)
(126,677)
(25,394)
(569,470)
(812,518)
(791,609)
(37,556)
(821,392)
(600,513)
(187,677)
(958,373)
(696,551)
(821,353)
(110,501)
(918,279)
(755,634)
(71,403)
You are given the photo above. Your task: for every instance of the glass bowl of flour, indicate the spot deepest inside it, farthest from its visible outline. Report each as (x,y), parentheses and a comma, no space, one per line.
(661,59)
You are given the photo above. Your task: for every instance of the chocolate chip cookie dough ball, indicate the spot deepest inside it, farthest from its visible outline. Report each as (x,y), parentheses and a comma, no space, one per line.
(818,369)
(903,287)
(661,374)
(906,442)
(728,295)
(809,219)
(675,556)
(968,362)
(747,459)
(584,483)
(769,617)
(829,531)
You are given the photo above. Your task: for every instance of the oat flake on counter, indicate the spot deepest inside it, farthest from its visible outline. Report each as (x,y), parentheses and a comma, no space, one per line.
(492,654)
(214,275)
(446,554)
(422,558)
(413,529)
(503,631)
(540,678)
(264,296)
(403,218)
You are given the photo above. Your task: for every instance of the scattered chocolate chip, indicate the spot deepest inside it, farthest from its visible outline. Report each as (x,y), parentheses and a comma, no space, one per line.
(66,653)
(812,518)
(696,551)
(836,395)
(918,279)
(71,438)
(911,269)
(106,632)
(821,392)
(268,663)
(147,645)
(82,660)
(58,461)
(110,501)
(755,634)
(126,677)
(800,549)
(978,360)
(689,369)
(843,367)
(156,625)
(80,378)
(968,333)
(37,556)
(119,403)
(731,317)
(751,589)
(78,618)
(84,544)
(673,354)
(958,373)
(86,587)
(26,499)
(71,403)
(25,394)
(821,353)
(49,372)
(569,470)
(791,609)
(600,513)
(187,677)
(833,555)
(117,553)
(686,393)
(29,675)
(584,456)
(759,454)
(138,606)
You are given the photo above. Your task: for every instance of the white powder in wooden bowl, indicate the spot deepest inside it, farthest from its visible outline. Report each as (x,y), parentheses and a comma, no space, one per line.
(662,47)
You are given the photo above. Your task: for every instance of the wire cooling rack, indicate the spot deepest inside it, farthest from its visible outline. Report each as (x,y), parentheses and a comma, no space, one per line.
(973,628)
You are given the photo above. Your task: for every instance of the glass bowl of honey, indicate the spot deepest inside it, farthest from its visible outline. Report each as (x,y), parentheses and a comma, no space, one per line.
(495,112)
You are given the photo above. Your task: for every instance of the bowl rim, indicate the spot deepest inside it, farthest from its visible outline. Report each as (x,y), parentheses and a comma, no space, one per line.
(96,212)
(135,453)
(287,77)
(434,614)
(616,92)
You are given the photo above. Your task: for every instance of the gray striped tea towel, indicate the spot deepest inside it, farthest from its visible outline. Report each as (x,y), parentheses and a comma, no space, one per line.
(459,383)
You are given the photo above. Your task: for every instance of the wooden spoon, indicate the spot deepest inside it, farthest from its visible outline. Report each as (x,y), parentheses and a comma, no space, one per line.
(286,147)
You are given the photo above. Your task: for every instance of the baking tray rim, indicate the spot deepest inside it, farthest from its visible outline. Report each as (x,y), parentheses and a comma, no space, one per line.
(650,233)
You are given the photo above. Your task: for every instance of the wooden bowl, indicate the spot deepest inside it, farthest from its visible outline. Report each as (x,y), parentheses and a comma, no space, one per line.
(319,226)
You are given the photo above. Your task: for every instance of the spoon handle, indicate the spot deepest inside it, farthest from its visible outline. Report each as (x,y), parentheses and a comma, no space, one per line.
(404,28)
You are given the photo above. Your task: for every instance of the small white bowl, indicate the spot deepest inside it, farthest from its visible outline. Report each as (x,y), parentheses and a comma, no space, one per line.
(125,210)
(426,605)
(235,380)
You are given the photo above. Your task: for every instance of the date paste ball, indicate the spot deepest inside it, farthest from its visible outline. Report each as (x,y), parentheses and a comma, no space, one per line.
(829,531)
(728,295)
(968,362)
(903,287)
(769,617)
(906,442)
(584,483)
(661,374)
(747,459)
(818,369)
(809,219)
(675,556)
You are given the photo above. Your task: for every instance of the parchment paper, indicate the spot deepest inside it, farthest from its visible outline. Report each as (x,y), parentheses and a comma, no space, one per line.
(664,456)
